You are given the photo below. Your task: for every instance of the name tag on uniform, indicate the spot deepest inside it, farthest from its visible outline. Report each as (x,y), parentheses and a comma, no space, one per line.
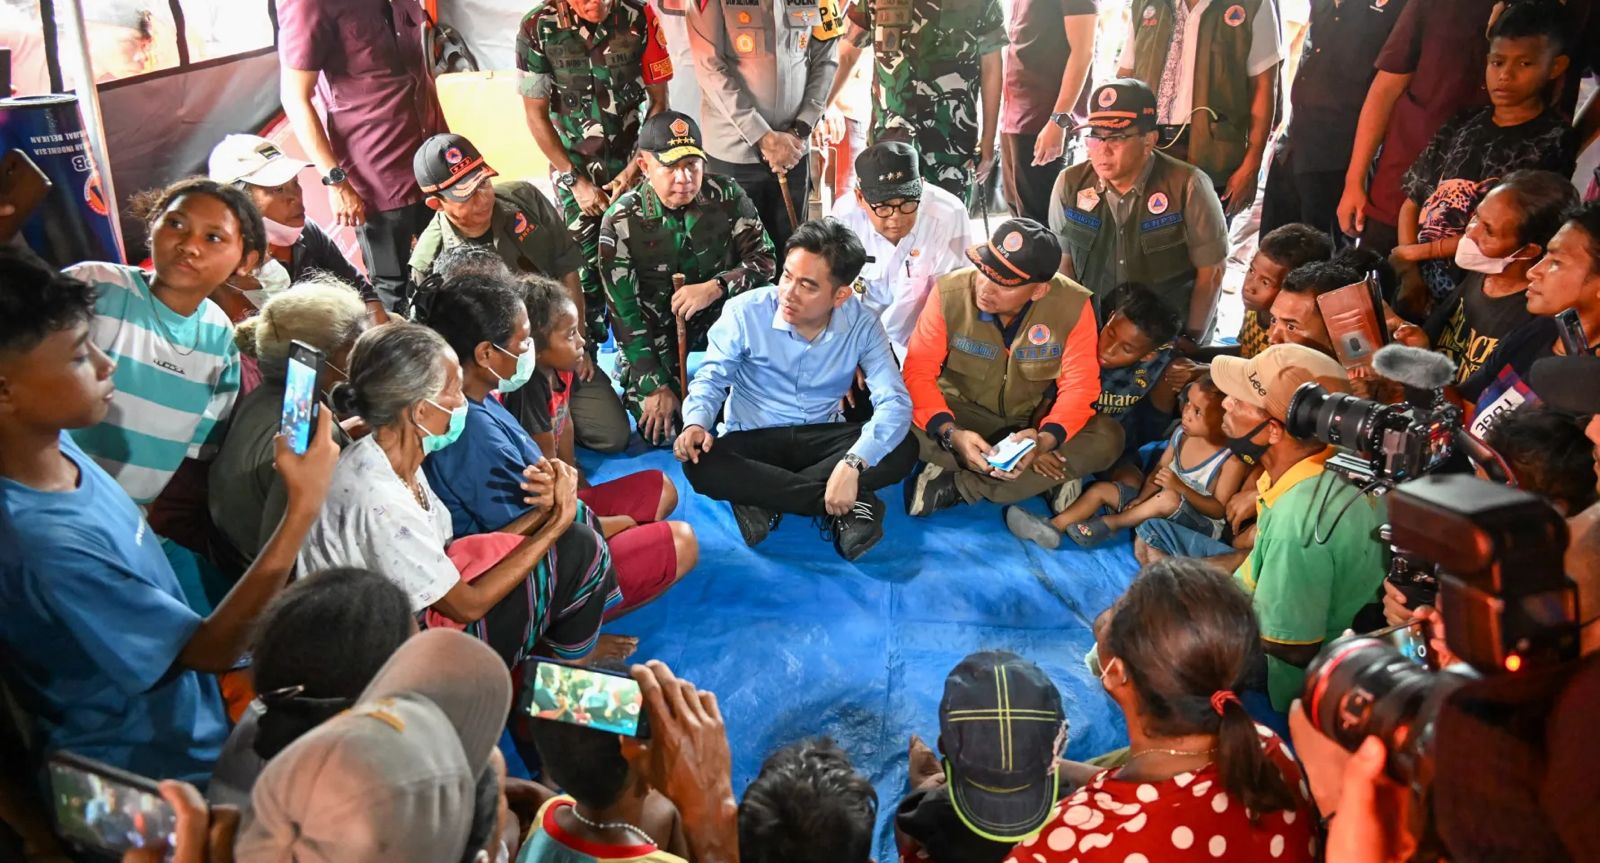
(1082,218)
(1035,353)
(1161,222)
(974,347)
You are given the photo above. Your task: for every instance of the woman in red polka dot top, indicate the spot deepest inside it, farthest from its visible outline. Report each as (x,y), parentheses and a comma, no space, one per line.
(1202,780)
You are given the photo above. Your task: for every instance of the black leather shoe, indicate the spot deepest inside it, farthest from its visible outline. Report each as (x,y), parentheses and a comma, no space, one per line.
(858,530)
(754,522)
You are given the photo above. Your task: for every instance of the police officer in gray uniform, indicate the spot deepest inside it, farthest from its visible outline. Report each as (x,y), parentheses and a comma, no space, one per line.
(764,68)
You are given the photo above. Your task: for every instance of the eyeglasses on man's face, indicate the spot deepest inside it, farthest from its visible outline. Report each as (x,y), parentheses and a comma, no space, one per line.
(904,206)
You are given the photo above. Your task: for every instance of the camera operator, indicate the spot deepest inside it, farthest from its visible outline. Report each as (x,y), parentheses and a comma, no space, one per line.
(1315,563)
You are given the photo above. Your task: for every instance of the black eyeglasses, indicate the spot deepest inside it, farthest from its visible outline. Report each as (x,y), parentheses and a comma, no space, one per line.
(889,208)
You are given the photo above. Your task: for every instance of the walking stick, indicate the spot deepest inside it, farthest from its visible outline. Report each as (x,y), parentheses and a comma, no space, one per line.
(788,202)
(683,340)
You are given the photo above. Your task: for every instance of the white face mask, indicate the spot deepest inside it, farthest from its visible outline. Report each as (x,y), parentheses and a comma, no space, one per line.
(1472,259)
(274,280)
(279,234)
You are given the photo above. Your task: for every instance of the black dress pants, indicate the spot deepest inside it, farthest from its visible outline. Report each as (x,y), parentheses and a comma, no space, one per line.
(766,193)
(786,469)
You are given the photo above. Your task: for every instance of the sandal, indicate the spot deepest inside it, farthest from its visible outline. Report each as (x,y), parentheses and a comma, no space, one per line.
(1088,534)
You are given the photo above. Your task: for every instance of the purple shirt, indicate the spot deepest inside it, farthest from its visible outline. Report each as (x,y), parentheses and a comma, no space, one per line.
(376,93)
(1035,60)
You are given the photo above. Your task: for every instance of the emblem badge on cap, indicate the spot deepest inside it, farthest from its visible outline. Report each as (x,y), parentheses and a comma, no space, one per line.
(679,127)
(1157,203)
(1038,334)
(1012,242)
(453,156)
(1234,16)
(1107,96)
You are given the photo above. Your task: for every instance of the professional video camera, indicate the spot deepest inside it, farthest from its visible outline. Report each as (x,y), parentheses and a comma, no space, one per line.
(1508,610)
(1385,444)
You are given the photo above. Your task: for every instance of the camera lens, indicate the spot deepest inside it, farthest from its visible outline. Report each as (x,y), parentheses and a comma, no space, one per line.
(1359,687)
(1339,419)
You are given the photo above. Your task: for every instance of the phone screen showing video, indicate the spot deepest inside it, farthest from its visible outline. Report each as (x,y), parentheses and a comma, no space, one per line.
(97,810)
(300,395)
(594,699)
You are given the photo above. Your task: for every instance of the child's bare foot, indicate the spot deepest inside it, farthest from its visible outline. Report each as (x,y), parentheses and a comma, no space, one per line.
(923,767)
(611,647)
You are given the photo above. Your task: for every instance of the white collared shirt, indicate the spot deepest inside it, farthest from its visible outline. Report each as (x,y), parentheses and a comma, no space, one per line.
(898,276)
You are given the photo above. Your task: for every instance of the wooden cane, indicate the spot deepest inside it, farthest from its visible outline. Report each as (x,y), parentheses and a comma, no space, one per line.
(788,202)
(683,340)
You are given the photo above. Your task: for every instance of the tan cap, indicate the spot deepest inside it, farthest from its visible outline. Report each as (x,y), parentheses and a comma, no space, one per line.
(395,777)
(1268,380)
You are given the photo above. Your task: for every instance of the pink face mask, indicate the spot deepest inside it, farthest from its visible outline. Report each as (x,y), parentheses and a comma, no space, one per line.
(279,234)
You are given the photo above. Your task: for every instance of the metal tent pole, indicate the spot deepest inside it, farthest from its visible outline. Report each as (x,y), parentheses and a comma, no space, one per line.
(93,120)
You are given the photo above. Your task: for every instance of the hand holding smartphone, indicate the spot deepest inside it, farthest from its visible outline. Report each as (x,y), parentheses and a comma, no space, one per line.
(603,700)
(1010,451)
(300,395)
(98,807)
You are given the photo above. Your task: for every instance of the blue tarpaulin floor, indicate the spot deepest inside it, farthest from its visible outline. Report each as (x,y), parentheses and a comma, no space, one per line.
(796,642)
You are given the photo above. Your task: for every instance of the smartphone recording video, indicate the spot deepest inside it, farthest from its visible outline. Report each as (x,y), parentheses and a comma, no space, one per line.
(602,700)
(97,806)
(300,395)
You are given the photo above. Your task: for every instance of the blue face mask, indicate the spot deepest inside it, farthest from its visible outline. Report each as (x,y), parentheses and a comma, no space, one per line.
(432,443)
(525,366)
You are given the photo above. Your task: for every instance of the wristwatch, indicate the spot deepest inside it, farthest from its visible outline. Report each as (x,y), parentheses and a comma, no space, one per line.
(855,461)
(801,129)
(722,284)
(566,179)
(335,176)
(945,434)
(1062,119)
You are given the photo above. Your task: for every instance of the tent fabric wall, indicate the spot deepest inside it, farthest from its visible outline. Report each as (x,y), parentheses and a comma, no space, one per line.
(161,127)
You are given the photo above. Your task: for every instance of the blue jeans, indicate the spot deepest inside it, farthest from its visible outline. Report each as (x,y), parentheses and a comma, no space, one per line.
(1172,538)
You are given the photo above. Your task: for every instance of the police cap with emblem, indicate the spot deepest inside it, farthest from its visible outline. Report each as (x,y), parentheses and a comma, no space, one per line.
(889,171)
(671,137)
(1021,252)
(449,166)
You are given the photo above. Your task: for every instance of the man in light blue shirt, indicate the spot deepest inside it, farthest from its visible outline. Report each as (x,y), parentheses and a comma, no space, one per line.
(783,358)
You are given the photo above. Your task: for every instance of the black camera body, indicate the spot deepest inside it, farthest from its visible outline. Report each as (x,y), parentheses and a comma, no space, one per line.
(1389,443)
(1506,603)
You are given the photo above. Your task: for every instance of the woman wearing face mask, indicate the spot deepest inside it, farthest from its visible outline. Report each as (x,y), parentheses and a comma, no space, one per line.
(1201,781)
(247,496)
(296,247)
(1505,238)
(543,581)
(486,323)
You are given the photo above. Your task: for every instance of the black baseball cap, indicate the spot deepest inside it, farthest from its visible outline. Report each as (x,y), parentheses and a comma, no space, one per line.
(1567,384)
(888,171)
(1000,727)
(671,137)
(1125,103)
(449,166)
(1021,252)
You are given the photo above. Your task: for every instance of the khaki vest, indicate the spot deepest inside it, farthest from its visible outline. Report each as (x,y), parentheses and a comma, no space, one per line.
(1153,248)
(981,370)
(1221,76)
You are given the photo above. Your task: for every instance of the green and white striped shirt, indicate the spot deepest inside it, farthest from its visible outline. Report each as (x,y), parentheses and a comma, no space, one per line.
(176,380)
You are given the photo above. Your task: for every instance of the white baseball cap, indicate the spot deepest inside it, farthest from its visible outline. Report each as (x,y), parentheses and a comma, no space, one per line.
(253,159)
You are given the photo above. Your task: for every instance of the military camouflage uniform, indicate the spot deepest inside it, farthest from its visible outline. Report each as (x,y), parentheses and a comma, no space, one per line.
(642,243)
(926,94)
(594,76)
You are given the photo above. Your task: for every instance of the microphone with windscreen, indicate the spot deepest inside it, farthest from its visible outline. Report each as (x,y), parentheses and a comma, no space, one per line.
(1423,373)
